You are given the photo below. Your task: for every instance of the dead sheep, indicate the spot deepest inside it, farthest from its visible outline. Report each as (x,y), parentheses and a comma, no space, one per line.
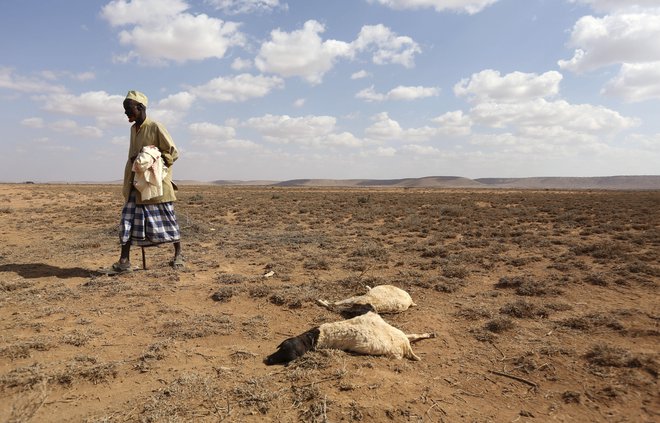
(382,298)
(367,334)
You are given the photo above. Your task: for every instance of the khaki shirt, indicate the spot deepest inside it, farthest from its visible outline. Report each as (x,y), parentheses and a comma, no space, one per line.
(151,133)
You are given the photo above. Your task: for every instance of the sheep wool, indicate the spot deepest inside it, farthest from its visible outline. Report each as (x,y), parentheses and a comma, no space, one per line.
(366,334)
(383,298)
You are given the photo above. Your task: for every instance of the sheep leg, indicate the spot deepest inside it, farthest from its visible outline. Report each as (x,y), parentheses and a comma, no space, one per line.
(414,337)
(324,304)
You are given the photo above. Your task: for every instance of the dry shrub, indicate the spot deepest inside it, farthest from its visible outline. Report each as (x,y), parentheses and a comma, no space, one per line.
(536,289)
(87,368)
(507,282)
(153,353)
(27,405)
(224,294)
(448,285)
(24,348)
(473,313)
(23,377)
(230,278)
(499,325)
(317,263)
(9,286)
(523,310)
(592,320)
(197,327)
(255,395)
(184,399)
(608,356)
(603,250)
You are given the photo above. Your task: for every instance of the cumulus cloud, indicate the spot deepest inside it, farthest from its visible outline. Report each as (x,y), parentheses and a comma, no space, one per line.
(241,64)
(386,46)
(489,85)
(161,31)
(301,53)
(399,93)
(210,135)
(72,127)
(237,88)
(26,84)
(173,108)
(207,130)
(233,7)
(360,74)
(105,108)
(305,54)
(34,122)
(635,82)
(453,123)
(613,39)
(298,130)
(561,114)
(134,12)
(308,131)
(385,128)
(463,6)
(618,5)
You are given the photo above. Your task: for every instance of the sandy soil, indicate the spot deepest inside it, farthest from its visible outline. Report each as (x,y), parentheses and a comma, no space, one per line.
(545,304)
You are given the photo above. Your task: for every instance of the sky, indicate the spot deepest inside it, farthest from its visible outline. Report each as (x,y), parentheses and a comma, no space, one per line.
(340,89)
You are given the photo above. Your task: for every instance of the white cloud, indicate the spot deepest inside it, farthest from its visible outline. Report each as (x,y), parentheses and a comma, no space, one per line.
(238,88)
(422,150)
(299,102)
(205,130)
(385,152)
(388,129)
(26,84)
(181,101)
(387,46)
(344,139)
(635,82)
(233,7)
(172,109)
(360,74)
(161,31)
(104,107)
(298,130)
(34,122)
(453,123)
(241,64)
(301,53)
(399,93)
(489,85)
(541,113)
(122,12)
(72,127)
(645,141)
(613,39)
(370,94)
(618,5)
(465,6)
(305,54)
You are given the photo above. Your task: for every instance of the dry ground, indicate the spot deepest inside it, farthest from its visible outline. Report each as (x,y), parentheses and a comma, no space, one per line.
(545,304)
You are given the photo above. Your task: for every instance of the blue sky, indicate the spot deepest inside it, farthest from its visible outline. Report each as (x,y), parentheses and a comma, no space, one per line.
(277,90)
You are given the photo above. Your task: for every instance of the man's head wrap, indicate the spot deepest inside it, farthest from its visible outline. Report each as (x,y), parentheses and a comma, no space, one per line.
(137,96)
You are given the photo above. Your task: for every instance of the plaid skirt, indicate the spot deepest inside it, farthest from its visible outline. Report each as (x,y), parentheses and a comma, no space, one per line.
(148,224)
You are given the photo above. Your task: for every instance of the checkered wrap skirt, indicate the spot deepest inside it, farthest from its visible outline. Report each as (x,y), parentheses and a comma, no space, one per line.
(148,224)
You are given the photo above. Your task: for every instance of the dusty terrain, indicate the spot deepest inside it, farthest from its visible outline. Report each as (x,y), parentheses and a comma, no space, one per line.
(545,304)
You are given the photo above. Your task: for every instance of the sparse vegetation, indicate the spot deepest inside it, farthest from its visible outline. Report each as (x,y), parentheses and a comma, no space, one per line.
(534,285)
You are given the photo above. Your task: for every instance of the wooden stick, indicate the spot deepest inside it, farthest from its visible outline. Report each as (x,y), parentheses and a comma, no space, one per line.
(518,378)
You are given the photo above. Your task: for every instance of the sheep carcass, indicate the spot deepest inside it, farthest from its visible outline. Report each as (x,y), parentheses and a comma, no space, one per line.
(382,299)
(366,334)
